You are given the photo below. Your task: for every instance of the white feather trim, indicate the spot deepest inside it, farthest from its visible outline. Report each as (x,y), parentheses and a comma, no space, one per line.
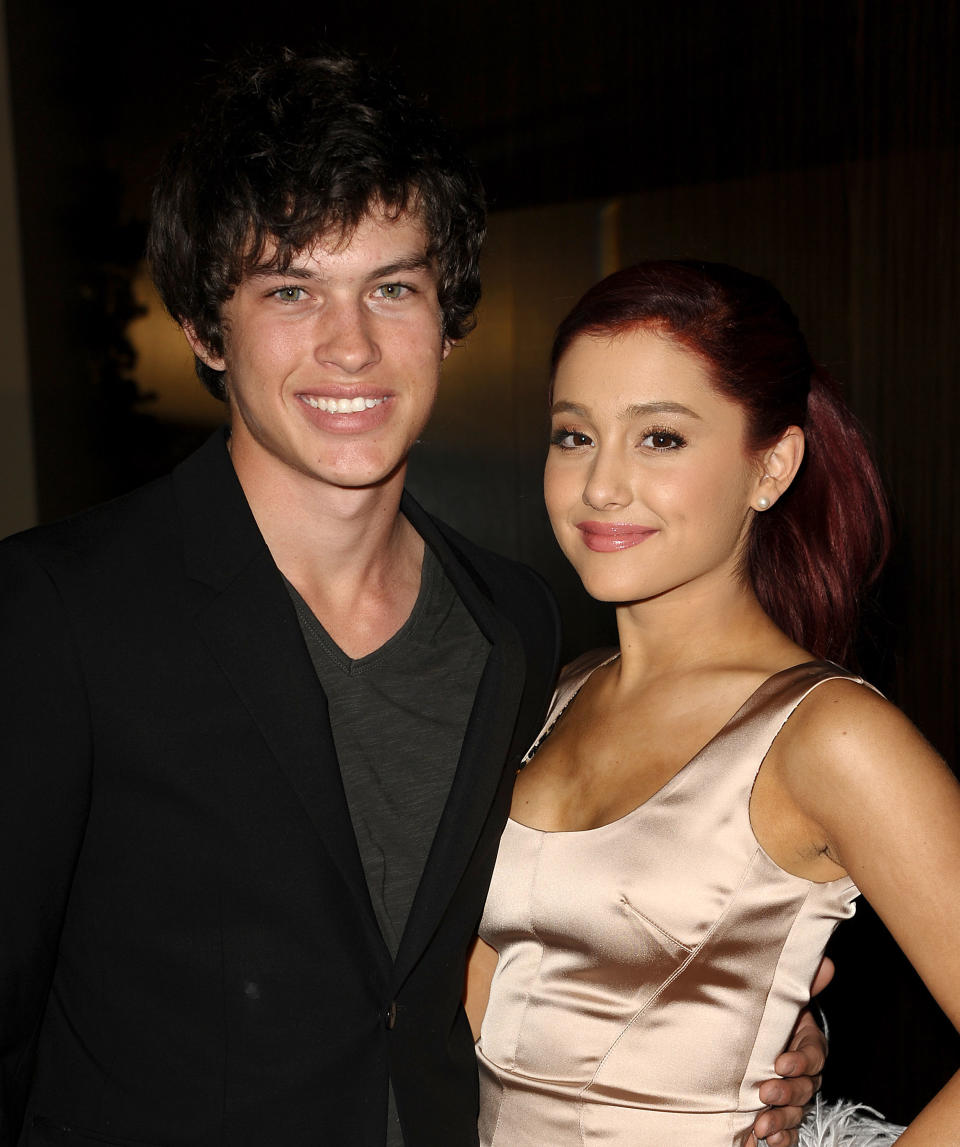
(844,1124)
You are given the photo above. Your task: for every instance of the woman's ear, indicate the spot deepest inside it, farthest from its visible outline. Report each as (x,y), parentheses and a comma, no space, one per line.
(780,463)
(200,348)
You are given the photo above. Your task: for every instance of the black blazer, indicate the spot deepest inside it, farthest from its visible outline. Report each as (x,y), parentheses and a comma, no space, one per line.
(188,954)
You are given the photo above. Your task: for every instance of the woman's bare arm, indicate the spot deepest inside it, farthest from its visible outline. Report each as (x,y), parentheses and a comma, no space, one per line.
(889,809)
(481,964)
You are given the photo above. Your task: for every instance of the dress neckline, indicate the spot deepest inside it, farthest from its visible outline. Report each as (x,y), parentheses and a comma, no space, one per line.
(620,820)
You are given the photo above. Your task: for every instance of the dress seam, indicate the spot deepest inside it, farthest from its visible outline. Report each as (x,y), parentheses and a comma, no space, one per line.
(536,935)
(656,927)
(526,1004)
(663,987)
(773,980)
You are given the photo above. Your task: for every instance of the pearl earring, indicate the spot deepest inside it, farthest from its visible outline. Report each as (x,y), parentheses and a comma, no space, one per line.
(763,503)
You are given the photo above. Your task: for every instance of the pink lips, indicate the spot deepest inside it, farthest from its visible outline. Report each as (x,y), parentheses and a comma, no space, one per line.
(608,537)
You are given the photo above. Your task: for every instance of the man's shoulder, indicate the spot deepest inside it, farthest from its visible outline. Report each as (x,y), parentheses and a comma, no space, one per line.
(479,559)
(86,566)
(141,524)
(514,588)
(123,524)
(496,569)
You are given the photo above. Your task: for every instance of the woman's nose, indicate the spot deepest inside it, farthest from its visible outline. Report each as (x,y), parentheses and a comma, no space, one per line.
(608,484)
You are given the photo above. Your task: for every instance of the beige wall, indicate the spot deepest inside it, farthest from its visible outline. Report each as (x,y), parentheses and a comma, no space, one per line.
(18,502)
(165,363)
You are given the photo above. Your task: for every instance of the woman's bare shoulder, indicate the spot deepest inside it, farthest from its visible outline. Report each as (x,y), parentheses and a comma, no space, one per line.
(845,736)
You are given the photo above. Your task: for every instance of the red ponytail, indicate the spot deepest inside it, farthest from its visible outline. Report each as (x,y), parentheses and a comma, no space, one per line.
(828,536)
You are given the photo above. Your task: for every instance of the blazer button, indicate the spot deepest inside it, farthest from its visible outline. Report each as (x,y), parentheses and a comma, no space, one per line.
(390,1016)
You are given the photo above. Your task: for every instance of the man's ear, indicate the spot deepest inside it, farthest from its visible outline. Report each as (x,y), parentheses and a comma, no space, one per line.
(780,463)
(448,345)
(200,348)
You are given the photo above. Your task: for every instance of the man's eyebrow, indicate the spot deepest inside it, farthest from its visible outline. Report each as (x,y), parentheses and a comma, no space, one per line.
(412,263)
(634,410)
(270,271)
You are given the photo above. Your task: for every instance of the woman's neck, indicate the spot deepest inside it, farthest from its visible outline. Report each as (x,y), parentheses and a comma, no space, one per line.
(696,627)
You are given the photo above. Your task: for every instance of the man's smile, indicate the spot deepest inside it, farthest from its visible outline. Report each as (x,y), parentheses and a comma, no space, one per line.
(341,405)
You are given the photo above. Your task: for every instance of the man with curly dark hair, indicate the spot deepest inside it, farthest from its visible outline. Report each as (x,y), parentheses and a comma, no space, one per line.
(262,718)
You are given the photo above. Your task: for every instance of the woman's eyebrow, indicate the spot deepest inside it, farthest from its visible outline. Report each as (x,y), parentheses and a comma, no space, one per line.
(643,409)
(634,410)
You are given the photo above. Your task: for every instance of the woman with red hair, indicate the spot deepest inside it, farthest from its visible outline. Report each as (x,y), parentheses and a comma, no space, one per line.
(704,804)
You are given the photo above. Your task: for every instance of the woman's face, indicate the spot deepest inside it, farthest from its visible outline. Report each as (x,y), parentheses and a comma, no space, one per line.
(649,481)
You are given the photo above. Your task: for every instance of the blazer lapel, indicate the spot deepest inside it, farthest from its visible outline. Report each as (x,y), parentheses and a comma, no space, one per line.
(251,629)
(483,757)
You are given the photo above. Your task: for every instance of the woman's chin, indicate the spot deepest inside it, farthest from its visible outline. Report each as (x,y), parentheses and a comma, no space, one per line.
(612,591)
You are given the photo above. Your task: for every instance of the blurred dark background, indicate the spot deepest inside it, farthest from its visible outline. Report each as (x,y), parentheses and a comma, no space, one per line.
(814,142)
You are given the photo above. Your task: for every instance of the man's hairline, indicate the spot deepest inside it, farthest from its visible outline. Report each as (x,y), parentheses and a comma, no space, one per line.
(344,236)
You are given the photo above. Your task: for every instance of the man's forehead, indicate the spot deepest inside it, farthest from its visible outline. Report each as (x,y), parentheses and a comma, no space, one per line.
(395,238)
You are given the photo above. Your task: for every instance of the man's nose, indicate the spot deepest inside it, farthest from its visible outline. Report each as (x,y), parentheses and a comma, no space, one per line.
(345,337)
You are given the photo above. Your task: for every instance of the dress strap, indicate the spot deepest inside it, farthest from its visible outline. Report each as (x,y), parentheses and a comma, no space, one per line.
(572,679)
(759,720)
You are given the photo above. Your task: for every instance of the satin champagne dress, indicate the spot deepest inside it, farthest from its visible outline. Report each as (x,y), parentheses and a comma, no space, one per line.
(651,970)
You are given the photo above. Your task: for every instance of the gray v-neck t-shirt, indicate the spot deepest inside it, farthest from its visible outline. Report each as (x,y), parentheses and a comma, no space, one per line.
(398,718)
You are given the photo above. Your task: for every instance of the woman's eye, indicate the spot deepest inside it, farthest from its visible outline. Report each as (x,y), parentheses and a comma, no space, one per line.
(663,440)
(570,439)
(392,290)
(289,294)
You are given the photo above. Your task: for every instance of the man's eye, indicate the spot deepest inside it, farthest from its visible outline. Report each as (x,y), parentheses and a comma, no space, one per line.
(392,290)
(570,439)
(289,294)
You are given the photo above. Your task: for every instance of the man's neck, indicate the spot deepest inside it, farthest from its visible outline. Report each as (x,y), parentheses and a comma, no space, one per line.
(350,553)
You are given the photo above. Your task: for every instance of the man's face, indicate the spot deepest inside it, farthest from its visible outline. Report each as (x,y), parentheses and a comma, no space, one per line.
(332,367)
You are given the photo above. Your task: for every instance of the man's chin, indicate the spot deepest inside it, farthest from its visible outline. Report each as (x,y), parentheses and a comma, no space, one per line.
(373,478)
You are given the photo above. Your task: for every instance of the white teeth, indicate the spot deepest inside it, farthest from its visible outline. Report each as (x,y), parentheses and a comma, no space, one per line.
(341,405)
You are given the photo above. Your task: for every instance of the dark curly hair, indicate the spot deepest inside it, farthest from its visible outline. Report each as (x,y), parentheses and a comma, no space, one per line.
(289,149)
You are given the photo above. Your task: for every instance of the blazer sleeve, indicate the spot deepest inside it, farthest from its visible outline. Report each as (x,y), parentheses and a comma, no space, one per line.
(45,750)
